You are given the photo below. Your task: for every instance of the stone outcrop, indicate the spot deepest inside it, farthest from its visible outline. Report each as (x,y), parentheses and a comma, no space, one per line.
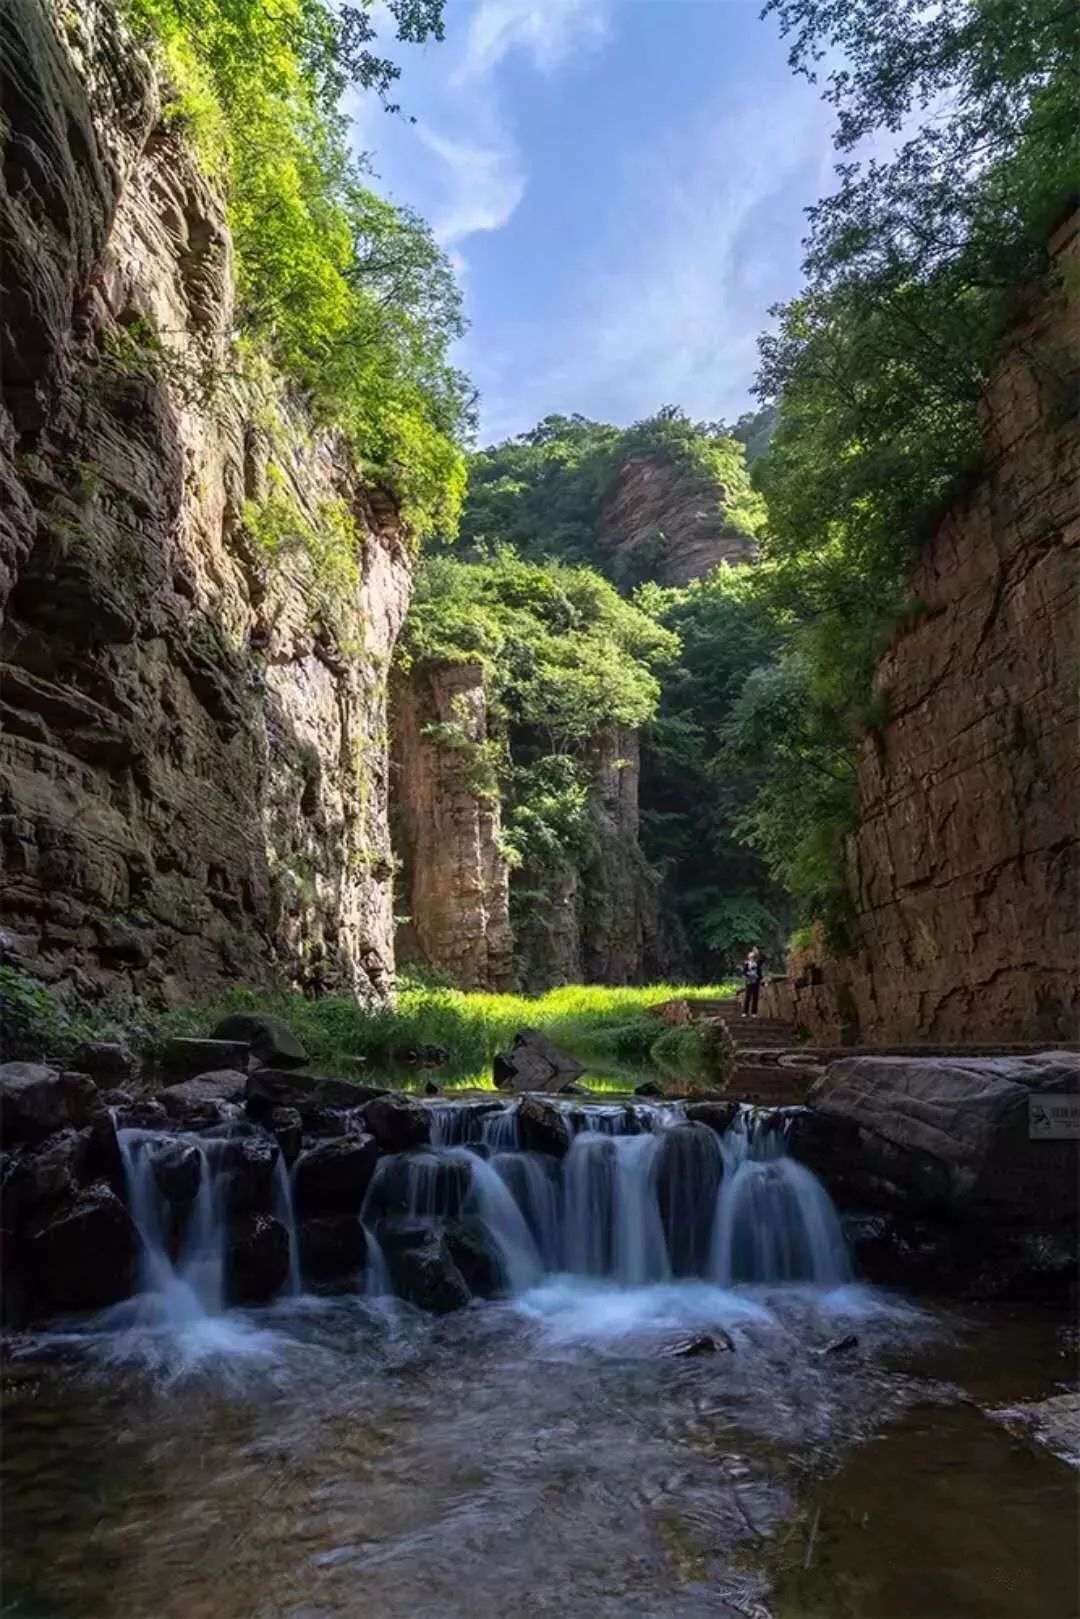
(193,765)
(964,866)
(455,885)
(596,920)
(663,521)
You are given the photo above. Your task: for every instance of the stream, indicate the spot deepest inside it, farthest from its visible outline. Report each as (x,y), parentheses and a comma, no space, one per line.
(551,1451)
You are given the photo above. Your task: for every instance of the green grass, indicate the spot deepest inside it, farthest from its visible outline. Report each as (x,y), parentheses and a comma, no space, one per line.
(604,1028)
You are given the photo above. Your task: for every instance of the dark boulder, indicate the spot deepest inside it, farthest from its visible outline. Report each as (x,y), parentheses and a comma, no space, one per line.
(957,1137)
(332,1246)
(704,1343)
(144,1114)
(248,1164)
(542,1128)
(106,1061)
(419,1184)
(336,1173)
(36,1101)
(271,1040)
(649,1087)
(256,1258)
(424,1055)
(470,1248)
(177,1168)
(46,1173)
(288,1128)
(114,1098)
(397,1123)
(268,1088)
(421,1267)
(84,1254)
(206,1100)
(719,1116)
(688,1172)
(184,1058)
(534,1063)
(326,1121)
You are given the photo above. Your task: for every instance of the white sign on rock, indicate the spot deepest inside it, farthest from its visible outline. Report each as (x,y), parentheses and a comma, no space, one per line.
(1054,1118)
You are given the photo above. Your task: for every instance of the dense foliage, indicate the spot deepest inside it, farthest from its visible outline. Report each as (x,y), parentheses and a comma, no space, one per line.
(565,656)
(543,492)
(913,271)
(349,296)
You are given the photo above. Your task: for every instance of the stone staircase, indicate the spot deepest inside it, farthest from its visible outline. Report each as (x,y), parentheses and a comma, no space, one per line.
(769,1067)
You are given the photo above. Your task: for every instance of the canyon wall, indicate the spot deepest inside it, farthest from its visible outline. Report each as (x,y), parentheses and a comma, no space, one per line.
(193,766)
(964,866)
(663,521)
(454,883)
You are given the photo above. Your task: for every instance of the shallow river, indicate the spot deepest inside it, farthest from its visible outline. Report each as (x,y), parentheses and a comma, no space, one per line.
(543,1456)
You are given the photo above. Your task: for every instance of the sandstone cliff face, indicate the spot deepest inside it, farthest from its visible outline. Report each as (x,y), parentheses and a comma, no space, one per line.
(965,862)
(193,765)
(454,883)
(661,521)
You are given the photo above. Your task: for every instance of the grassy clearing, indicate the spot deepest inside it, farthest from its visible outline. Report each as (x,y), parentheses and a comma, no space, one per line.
(604,1028)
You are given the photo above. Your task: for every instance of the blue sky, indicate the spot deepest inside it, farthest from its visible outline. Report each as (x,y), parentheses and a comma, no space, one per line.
(620,184)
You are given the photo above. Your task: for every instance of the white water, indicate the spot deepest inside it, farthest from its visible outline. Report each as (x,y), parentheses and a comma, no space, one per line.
(286,1213)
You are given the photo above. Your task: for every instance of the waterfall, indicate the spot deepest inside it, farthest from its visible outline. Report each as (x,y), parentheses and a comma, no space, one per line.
(285,1211)
(774,1220)
(193,1285)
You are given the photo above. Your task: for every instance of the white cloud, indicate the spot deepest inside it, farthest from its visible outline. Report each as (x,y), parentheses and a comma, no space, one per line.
(703,237)
(547,30)
(482,185)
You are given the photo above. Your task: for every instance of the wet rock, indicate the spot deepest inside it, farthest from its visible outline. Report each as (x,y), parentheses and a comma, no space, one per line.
(421,1056)
(185,1058)
(288,1128)
(271,1040)
(207,1099)
(36,1100)
(332,1246)
(542,1127)
(649,1087)
(431,1089)
(841,1346)
(719,1116)
(145,1114)
(44,1174)
(421,1267)
(470,1248)
(83,1255)
(268,1088)
(571,1089)
(106,1061)
(177,1170)
(117,1098)
(704,1343)
(325,1121)
(949,1135)
(534,1063)
(249,1164)
(688,1170)
(256,1258)
(335,1174)
(397,1123)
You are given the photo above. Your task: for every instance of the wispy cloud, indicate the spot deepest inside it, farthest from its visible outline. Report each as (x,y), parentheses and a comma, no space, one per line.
(704,237)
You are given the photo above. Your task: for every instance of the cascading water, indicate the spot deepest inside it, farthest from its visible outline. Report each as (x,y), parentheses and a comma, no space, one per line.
(190,1285)
(641,1196)
(285,1210)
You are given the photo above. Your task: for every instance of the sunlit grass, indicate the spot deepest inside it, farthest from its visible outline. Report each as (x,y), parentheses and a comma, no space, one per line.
(601,1026)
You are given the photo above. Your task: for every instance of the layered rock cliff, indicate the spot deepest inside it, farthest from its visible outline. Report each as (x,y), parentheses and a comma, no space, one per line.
(193,765)
(964,867)
(663,520)
(454,885)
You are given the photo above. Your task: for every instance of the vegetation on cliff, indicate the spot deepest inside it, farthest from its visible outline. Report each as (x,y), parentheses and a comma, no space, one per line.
(564,657)
(914,269)
(348,295)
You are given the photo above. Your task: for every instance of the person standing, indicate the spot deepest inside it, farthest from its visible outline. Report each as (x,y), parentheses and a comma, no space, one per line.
(753,973)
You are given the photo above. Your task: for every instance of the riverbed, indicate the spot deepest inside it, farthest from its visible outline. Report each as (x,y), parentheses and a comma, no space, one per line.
(548,1454)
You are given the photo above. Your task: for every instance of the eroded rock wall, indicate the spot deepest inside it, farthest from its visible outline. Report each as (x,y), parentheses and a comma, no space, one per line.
(193,765)
(454,879)
(964,867)
(663,521)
